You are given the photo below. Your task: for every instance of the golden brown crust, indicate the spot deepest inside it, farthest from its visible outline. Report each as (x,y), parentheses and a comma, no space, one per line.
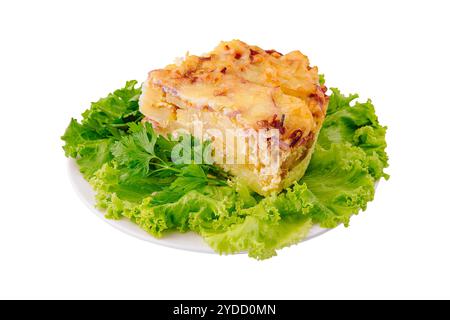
(259,86)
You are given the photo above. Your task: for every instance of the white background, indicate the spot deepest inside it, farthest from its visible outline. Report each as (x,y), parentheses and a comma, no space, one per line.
(58,56)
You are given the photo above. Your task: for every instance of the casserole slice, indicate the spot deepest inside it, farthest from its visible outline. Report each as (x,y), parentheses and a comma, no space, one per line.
(261,109)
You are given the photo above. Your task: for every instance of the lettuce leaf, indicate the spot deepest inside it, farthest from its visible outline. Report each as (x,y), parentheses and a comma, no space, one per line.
(129,166)
(110,116)
(357,125)
(275,222)
(90,141)
(83,144)
(340,183)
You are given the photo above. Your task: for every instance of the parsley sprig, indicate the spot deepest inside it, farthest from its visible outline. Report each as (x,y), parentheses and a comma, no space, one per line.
(144,153)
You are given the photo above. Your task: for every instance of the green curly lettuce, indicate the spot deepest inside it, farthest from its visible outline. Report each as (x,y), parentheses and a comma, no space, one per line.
(356,125)
(90,141)
(129,167)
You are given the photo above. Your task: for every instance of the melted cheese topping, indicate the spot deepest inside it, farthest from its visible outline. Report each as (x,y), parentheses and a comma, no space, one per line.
(243,81)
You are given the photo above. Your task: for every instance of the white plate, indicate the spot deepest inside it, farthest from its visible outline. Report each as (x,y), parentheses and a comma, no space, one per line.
(185,241)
